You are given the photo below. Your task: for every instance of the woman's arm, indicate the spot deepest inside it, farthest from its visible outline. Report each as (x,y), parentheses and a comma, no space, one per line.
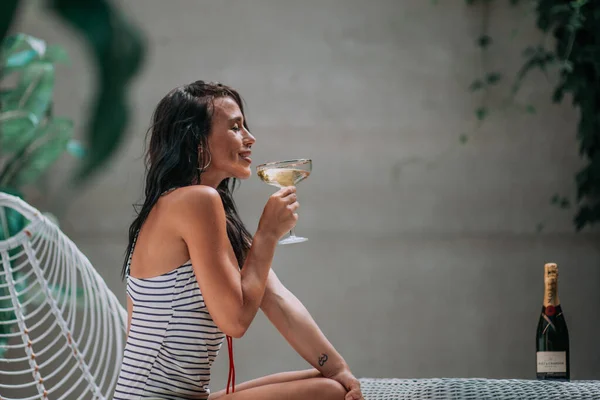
(232,297)
(295,323)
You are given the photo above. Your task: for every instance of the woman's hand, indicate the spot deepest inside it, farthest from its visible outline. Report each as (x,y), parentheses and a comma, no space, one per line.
(279,215)
(348,381)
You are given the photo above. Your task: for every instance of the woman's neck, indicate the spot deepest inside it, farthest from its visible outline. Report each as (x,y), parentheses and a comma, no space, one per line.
(211,180)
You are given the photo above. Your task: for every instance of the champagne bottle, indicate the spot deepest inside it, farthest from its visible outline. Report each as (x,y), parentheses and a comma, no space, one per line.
(552,338)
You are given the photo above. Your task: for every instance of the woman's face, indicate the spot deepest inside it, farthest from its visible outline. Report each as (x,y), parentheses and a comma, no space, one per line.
(229,143)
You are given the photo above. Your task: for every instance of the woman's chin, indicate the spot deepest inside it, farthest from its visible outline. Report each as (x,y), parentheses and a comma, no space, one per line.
(243,175)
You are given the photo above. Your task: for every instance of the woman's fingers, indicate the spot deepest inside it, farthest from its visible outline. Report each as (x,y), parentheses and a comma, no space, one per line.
(294,206)
(286,191)
(291,199)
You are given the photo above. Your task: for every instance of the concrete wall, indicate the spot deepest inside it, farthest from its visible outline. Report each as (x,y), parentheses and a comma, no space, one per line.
(424,258)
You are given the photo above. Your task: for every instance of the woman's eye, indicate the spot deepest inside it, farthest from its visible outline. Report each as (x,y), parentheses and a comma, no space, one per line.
(236,127)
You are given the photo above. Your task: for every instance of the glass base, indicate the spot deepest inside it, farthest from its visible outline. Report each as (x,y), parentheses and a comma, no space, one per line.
(293,239)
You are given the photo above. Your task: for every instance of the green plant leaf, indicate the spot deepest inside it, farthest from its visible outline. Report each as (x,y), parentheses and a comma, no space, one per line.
(76,149)
(493,77)
(56,54)
(530,109)
(585,216)
(34,91)
(579,3)
(538,58)
(19,50)
(561,202)
(567,66)
(529,51)
(8,9)
(476,85)
(560,8)
(19,60)
(17,129)
(558,94)
(5,94)
(564,203)
(484,41)
(52,142)
(481,113)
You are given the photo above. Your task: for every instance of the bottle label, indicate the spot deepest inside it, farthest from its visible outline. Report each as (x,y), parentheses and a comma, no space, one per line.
(551,361)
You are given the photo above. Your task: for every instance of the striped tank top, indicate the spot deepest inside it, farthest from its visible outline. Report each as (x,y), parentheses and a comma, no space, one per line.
(173,340)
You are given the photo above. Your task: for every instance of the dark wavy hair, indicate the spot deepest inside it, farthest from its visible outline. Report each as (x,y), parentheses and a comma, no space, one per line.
(179,131)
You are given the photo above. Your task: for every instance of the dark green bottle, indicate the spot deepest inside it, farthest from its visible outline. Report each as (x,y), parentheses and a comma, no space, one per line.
(552,338)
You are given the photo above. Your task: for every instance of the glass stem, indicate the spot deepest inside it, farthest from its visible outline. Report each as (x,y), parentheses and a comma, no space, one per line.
(292,232)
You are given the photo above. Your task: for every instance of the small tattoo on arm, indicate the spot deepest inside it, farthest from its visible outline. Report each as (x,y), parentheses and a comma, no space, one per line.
(323,359)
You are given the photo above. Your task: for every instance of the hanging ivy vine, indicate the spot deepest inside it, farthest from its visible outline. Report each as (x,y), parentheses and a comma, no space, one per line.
(575,27)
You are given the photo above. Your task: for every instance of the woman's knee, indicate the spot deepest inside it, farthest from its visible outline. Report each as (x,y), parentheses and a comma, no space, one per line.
(333,389)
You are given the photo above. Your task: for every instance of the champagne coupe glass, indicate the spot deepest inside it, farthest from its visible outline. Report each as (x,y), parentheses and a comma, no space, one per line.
(282,174)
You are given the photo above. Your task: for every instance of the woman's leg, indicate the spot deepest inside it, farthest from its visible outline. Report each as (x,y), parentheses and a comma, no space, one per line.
(311,388)
(271,379)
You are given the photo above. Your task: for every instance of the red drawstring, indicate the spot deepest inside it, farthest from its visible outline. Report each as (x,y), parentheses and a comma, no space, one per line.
(231,377)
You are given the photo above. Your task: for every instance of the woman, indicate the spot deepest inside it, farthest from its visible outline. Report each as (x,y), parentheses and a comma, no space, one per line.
(194,273)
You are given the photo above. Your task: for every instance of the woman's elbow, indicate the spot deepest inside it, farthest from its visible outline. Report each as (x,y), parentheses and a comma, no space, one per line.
(234,322)
(235,331)
(234,328)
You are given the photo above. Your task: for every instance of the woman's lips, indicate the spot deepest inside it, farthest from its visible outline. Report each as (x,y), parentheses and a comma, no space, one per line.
(246,157)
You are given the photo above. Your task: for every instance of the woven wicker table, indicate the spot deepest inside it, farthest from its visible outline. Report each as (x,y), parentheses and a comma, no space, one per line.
(477,389)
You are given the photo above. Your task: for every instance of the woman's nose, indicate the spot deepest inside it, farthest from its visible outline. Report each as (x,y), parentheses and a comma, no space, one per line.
(249,139)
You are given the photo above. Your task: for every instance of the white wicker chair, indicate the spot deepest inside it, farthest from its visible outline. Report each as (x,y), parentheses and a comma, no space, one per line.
(68,328)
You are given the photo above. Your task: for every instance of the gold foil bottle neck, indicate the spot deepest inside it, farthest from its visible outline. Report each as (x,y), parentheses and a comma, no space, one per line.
(551,285)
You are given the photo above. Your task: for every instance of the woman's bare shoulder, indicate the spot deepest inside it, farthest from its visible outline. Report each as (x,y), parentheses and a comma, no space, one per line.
(192,196)
(194,203)
(195,193)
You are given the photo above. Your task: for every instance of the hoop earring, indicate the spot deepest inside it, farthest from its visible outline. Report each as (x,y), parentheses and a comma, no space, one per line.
(206,166)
